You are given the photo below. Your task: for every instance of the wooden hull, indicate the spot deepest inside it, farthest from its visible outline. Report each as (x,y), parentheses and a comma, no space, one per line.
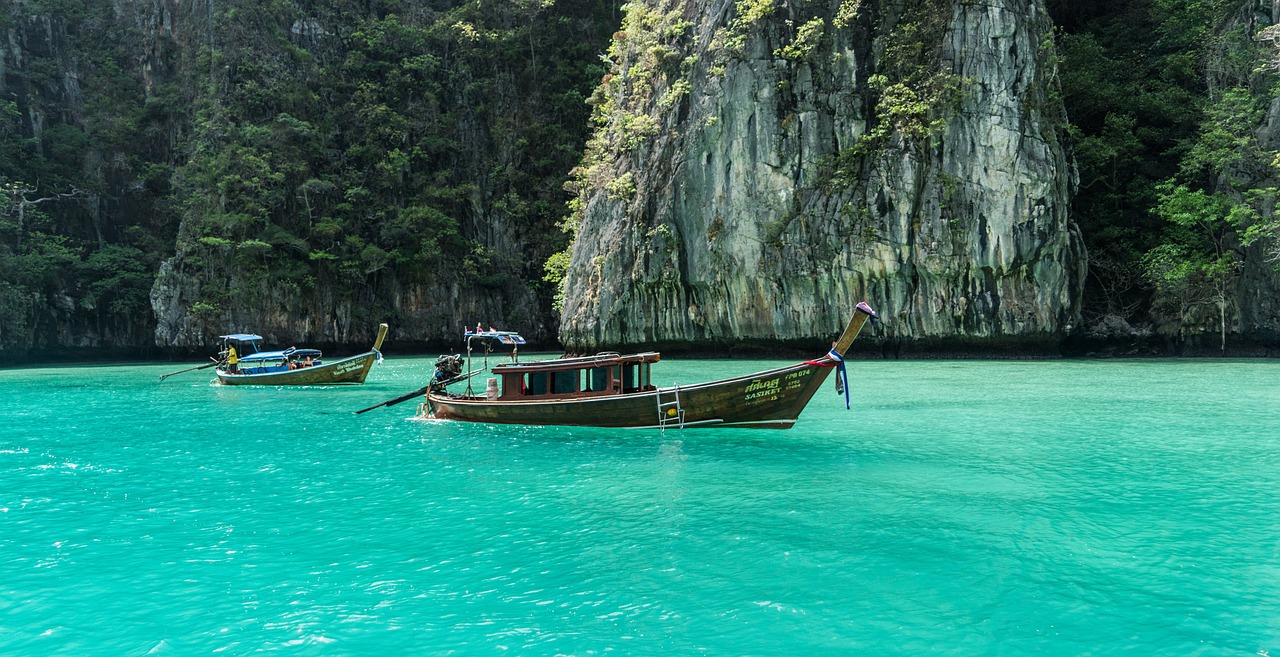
(771,399)
(346,370)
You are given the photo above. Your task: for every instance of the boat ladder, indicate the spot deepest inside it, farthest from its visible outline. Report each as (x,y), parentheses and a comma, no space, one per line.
(669,409)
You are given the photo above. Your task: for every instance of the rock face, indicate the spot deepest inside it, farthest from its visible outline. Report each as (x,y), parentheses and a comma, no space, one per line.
(793,179)
(422,315)
(1257,293)
(300,170)
(423,310)
(48,88)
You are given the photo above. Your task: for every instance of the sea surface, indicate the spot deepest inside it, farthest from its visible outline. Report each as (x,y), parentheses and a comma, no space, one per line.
(960,508)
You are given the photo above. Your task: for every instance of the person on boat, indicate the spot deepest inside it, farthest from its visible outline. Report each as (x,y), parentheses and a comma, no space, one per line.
(307,362)
(233,361)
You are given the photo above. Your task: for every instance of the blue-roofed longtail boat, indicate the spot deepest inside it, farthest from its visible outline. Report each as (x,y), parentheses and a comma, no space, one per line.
(613,390)
(292,366)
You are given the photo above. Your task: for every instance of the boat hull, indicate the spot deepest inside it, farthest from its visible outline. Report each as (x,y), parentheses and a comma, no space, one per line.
(347,370)
(772,399)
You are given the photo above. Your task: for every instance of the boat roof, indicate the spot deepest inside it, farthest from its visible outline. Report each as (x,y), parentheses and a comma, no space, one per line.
(279,355)
(503,337)
(606,359)
(242,337)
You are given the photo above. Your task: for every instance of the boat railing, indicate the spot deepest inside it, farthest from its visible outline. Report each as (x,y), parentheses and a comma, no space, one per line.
(579,362)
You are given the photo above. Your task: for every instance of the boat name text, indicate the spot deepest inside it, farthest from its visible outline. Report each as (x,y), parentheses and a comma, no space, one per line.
(761,390)
(347,367)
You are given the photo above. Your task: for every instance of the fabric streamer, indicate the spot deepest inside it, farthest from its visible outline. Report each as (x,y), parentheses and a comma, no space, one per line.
(842,380)
(842,376)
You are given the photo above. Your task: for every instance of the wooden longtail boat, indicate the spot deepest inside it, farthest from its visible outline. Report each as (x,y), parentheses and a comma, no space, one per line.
(612,390)
(292,367)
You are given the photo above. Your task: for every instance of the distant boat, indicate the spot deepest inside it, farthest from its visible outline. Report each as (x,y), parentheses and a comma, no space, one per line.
(613,390)
(292,366)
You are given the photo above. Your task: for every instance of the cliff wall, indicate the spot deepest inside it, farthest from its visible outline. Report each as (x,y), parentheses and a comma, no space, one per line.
(301,170)
(760,167)
(1257,289)
(64,187)
(423,219)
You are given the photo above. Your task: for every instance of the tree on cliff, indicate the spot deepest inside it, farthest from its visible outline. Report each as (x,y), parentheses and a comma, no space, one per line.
(1174,180)
(1226,183)
(326,153)
(1200,260)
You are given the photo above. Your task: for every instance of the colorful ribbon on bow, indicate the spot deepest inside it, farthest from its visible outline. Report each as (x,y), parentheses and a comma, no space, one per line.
(843,380)
(842,376)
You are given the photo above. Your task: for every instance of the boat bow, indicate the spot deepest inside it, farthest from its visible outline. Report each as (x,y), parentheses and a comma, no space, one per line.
(861,313)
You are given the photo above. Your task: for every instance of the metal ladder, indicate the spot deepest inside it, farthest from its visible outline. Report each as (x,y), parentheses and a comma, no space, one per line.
(665,416)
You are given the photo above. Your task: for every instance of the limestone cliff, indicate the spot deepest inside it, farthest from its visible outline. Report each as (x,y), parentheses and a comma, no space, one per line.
(64,290)
(301,170)
(482,261)
(1257,292)
(759,167)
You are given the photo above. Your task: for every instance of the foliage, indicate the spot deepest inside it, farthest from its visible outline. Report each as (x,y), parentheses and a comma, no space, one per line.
(847,12)
(916,86)
(1198,261)
(647,70)
(1225,186)
(79,236)
(731,40)
(911,92)
(1164,97)
(556,268)
(380,146)
(806,41)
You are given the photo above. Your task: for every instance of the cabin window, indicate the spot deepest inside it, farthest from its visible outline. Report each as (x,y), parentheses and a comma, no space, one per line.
(597,379)
(630,377)
(536,384)
(564,382)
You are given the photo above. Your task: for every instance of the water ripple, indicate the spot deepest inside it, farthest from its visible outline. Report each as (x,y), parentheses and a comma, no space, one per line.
(960,509)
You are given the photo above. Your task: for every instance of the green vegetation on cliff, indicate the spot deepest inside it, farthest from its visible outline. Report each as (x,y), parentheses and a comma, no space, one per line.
(348,155)
(81,172)
(339,151)
(1167,99)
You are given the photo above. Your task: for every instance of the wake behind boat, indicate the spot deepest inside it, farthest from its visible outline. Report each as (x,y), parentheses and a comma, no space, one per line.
(614,390)
(292,366)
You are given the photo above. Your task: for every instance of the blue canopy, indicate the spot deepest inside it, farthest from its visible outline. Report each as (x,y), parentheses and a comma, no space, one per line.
(279,355)
(242,337)
(263,355)
(504,337)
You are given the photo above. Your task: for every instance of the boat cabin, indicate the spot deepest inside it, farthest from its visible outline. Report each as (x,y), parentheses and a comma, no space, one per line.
(602,374)
(270,362)
(253,360)
(589,376)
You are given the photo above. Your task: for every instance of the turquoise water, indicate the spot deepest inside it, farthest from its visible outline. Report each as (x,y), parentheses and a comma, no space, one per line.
(961,508)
